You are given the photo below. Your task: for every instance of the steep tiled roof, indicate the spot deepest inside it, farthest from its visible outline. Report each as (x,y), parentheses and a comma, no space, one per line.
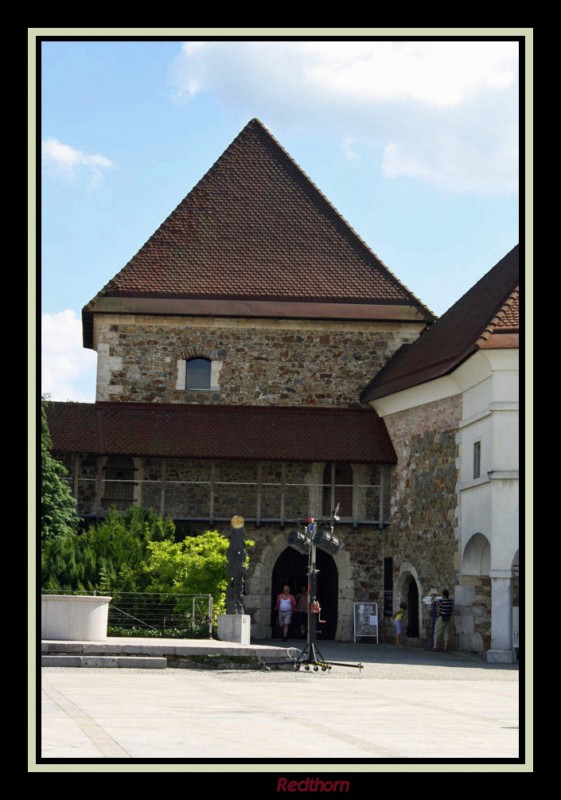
(480,318)
(509,315)
(256,227)
(507,319)
(220,432)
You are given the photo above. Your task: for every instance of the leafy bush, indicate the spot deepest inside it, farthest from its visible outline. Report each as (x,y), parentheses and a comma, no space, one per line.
(108,556)
(198,632)
(197,565)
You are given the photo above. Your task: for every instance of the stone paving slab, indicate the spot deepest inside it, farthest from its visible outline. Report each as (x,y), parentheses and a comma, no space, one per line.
(412,705)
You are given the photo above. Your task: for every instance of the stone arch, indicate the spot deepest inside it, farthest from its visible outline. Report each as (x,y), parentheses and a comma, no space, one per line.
(291,568)
(408,590)
(259,588)
(187,354)
(477,556)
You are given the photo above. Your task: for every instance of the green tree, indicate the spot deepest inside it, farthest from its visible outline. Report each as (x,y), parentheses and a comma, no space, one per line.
(62,564)
(117,547)
(197,565)
(109,556)
(58,507)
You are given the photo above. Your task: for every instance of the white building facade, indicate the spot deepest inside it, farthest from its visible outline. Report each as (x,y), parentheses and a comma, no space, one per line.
(488,491)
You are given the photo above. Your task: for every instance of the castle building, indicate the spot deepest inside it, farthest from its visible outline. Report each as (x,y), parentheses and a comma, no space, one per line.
(232,351)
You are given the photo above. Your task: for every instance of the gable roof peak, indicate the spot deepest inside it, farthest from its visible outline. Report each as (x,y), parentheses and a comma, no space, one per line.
(256,228)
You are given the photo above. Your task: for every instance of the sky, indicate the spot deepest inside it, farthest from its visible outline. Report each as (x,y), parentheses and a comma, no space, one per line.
(414,142)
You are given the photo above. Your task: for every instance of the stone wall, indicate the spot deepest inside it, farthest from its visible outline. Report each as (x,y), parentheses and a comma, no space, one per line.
(264,362)
(423,535)
(472,619)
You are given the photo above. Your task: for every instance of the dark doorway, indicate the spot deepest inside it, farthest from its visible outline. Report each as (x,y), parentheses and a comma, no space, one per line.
(412,608)
(291,568)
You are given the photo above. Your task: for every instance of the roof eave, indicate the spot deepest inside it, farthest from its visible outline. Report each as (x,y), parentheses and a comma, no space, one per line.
(501,339)
(413,378)
(339,309)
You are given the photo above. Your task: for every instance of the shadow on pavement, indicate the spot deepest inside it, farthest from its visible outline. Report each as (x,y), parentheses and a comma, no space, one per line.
(372,653)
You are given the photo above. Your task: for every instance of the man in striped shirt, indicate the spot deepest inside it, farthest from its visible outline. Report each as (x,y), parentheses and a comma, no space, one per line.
(444,609)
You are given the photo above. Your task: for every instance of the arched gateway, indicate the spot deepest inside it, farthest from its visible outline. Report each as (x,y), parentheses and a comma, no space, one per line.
(291,568)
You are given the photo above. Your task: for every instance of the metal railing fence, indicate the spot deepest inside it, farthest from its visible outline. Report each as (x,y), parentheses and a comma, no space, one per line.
(156,613)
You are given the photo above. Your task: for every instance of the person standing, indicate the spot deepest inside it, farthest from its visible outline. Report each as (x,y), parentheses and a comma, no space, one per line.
(286,603)
(445,610)
(397,621)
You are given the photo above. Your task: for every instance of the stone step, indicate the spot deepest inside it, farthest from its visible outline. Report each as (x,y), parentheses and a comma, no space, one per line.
(132,662)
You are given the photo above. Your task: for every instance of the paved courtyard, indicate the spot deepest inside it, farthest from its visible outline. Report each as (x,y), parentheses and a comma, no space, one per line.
(404,703)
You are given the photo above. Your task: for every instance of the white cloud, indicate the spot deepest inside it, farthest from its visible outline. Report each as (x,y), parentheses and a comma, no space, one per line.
(62,159)
(347,147)
(435,74)
(395,163)
(441,111)
(453,165)
(68,370)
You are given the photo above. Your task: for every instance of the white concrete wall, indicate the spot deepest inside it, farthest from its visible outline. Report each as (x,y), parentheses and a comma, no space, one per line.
(489,504)
(475,517)
(504,523)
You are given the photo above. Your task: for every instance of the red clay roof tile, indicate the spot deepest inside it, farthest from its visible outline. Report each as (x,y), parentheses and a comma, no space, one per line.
(509,315)
(220,432)
(255,226)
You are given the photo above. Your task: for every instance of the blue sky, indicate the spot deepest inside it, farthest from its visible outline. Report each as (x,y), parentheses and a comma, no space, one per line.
(415,143)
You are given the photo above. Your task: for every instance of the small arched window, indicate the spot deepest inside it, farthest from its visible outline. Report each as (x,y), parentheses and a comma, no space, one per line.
(198,373)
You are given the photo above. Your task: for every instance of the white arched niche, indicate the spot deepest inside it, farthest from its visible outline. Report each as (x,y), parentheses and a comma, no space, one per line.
(477,556)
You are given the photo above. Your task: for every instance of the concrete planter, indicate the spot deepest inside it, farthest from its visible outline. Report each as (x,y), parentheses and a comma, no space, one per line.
(74,617)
